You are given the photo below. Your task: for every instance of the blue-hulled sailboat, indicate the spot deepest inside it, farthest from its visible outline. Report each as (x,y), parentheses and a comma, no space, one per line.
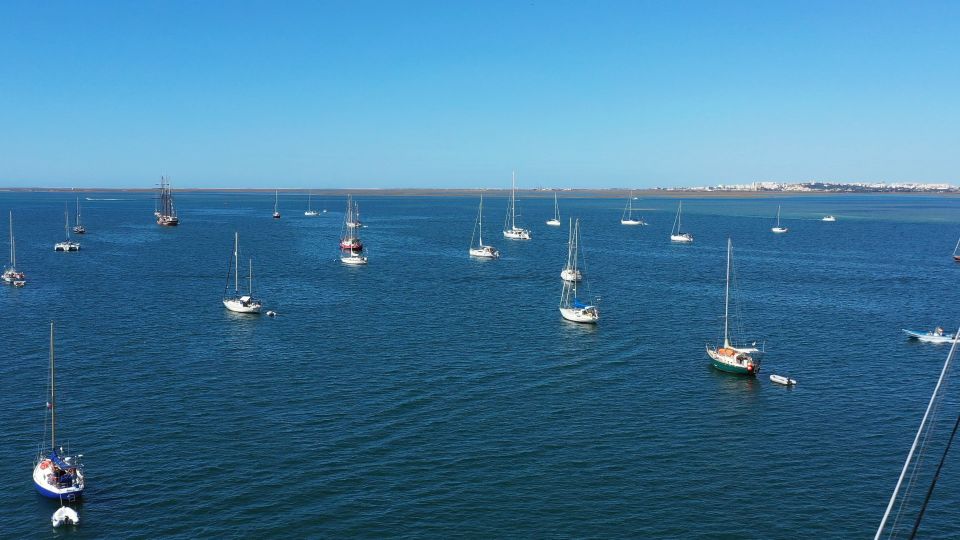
(57,474)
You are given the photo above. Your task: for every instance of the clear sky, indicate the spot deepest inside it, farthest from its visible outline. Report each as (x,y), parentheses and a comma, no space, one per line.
(457,93)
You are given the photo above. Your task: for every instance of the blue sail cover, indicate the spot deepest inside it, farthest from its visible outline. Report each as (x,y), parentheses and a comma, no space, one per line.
(59,462)
(578,304)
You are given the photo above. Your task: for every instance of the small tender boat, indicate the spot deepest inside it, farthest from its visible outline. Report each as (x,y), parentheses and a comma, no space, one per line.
(65,516)
(936,336)
(480,250)
(828,218)
(555,221)
(513,232)
(675,234)
(780,379)
(571,307)
(777,228)
(627,217)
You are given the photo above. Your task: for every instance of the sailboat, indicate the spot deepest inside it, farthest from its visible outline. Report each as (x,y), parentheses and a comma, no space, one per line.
(675,234)
(10,273)
(310,211)
(828,218)
(777,228)
(514,232)
(237,302)
(66,245)
(276,205)
(79,228)
(166,214)
(571,307)
(350,234)
(555,221)
(728,358)
(627,217)
(956,256)
(480,250)
(570,271)
(57,474)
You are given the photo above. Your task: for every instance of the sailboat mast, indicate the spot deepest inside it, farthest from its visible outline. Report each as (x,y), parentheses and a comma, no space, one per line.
(236,259)
(513,202)
(778,215)
(556,207)
(53,394)
(250,277)
(480,220)
(276,200)
(13,246)
(726,298)
(66,220)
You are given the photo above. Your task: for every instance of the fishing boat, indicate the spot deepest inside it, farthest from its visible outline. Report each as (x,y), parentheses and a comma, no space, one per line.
(777,228)
(480,250)
(56,473)
(66,245)
(956,256)
(10,273)
(739,360)
(570,271)
(935,336)
(310,212)
(627,217)
(276,204)
(166,213)
(236,302)
(571,307)
(828,218)
(675,233)
(79,228)
(780,379)
(350,233)
(352,257)
(555,220)
(513,232)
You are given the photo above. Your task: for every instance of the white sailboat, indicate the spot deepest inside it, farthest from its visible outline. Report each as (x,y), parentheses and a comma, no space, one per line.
(675,234)
(828,218)
(66,245)
(570,271)
(555,221)
(276,204)
(480,250)
(571,307)
(57,474)
(777,228)
(513,232)
(10,273)
(627,217)
(310,211)
(729,358)
(240,303)
(79,228)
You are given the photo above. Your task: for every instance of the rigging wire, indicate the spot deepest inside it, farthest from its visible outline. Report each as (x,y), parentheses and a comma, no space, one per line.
(933,483)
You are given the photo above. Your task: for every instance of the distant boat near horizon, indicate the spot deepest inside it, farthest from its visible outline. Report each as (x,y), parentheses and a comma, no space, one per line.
(166,213)
(79,228)
(777,228)
(276,204)
(555,220)
(66,245)
(510,229)
(828,218)
(676,235)
(627,217)
(310,212)
(480,250)
(10,273)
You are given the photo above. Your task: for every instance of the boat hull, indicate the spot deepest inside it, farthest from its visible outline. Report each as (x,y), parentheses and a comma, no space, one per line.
(311,213)
(354,260)
(929,337)
(738,364)
(956,258)
(553,222)
(587,315)
(66,246)
(632,222)
(486,252)
(237,306)
(517,234)
(42,478)
(684,238)
(778,230)
(355,245)
(168,221)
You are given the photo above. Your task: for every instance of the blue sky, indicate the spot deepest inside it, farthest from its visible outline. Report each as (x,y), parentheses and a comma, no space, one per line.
(458,94)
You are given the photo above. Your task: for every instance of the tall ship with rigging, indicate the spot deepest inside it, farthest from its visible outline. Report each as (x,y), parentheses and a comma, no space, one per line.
(166,213)
(350,234)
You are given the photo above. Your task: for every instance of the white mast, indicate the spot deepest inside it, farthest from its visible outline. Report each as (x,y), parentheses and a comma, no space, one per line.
(276,200)
(726,299)
(513,202)
(251,278)
(78,211)
(236,258)
(66,220)
(556,207)
(53,394)
(13,246)
(778,216)
(480,219)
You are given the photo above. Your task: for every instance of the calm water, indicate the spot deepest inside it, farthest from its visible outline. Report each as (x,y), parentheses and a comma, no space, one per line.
(428,394)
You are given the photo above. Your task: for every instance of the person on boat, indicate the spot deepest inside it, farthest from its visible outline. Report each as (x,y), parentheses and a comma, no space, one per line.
(938,331)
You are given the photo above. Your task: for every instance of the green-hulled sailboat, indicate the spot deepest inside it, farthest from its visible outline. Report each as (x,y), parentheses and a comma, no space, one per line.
(739,360)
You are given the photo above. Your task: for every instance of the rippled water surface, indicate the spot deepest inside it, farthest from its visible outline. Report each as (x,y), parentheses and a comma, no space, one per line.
(428,394)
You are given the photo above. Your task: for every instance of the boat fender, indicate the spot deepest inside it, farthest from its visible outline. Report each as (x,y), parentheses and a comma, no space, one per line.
(44,464)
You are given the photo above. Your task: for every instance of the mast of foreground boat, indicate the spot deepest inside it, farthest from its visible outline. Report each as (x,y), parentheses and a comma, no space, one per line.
(916,439)
(556,207)
(480,221)
(236,264)
(726,299)
(13,245)
(778,216)
(53,396)
(250,278)
(513,202)
(78,211)
(66,220)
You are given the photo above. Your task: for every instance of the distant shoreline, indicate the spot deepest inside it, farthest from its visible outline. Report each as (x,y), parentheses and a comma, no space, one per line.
(614,193)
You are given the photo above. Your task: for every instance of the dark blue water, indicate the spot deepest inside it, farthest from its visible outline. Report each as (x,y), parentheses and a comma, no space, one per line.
(429,394)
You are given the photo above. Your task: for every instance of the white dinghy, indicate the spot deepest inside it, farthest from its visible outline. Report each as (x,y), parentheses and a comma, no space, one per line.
(780,379)
(65,516)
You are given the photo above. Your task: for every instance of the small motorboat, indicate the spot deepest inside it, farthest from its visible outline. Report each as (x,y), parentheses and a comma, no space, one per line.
(271,313)
(936,336)
(828,218)
(65,516)
(780,379)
